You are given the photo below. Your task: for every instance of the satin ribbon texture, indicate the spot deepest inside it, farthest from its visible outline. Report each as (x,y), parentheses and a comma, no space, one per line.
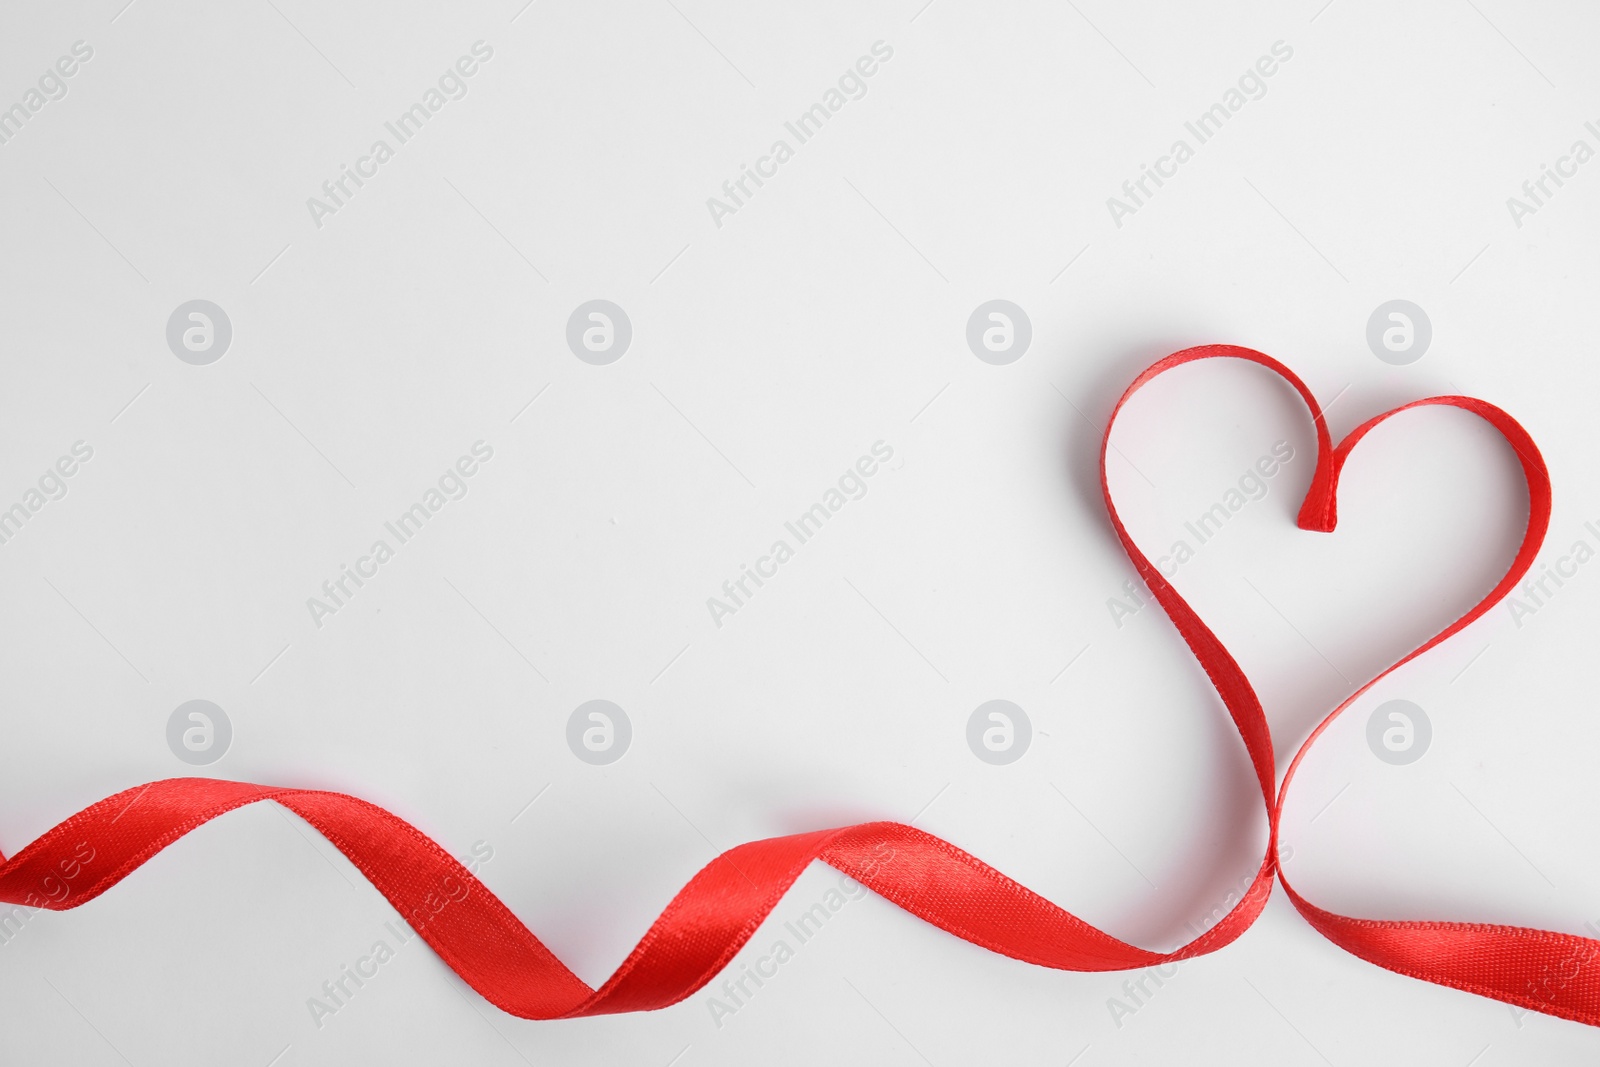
(716,913)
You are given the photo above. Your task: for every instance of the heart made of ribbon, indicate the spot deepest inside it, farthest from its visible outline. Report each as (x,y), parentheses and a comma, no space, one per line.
(716,913)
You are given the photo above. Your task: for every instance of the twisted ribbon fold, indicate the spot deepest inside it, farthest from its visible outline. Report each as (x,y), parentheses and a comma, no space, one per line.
(719,909)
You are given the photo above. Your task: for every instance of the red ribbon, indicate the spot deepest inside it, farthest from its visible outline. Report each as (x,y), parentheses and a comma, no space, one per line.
(717,912)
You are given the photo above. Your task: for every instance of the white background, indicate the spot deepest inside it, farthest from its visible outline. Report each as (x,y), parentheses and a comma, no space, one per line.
(769,353)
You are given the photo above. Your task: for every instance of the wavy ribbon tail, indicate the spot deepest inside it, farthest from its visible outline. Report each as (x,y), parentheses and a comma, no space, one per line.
(708,921)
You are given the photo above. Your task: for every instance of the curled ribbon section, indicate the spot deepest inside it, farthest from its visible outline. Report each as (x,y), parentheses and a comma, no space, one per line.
(716,913)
